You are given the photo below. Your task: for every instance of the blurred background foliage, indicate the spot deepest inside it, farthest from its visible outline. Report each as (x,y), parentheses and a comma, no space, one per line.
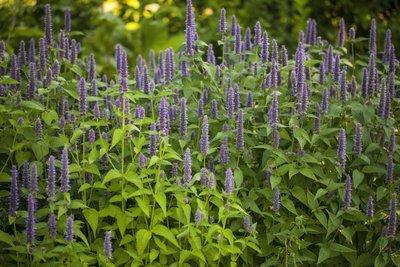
(141,25)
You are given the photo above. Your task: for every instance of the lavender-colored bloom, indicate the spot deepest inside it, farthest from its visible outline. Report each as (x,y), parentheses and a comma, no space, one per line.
(174,169)
(200,107)
(372,37)
(392,59)
(142,160)
(89,177)
(210,54)
(342,32)
(273,75)
(238,40)
(274,52)
(247,40)
(240,130)
(247,224)
(341,151)
(95,90)
(107,245)
(91,136)
(392,223)
(184,68)
(187,167)
(163,116)
(304,101)
(250,100)
(382,101)
(387,46)
(32,80)
(389,169)
(204,176)
(13,199)
(190,31)
(15,71)
(118,55)
(153,141)
(67,20)
(26,174)
(33,181)
(342,84)
(372,81)
(357,149)
(370,207)
(236,97)
(204,138)
(52,224)
(214,109)
(276,204)
(273,111)
(392,144)
(51,179)
(284,55)
(352,33)
(123,71)
(336,67)
(31,220)
(322,73)
(224,151)
(48,25)
(69,229)
(364,83)
(96,110)
(198,217)
(65,186)
(169,65)
(264,53)
(21,54)
(32,51)
(140,112)
(257,33)
(229,181)
(233,25)
(82,96)
(347,193)
(391,84)
(222,21)
(42,54)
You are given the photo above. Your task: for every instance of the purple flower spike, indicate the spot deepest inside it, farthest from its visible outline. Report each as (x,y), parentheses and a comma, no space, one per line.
(257,33)
(233,25)
(33,181)
(392,224)
(247,40)
(198,217)
(210,54)
(51,179)
(48,25)
(204,139)
(190,31)
(21,54)
(214,109)
(352,33)
(67,20)
(372,37)
(123,72)
(264,53)
(341,151)
(31,220)
(370,207)
(389,170)
(108,244)
(91,136)
(224,151)
(142,161)
(65,186)
(276,204)
(174,169)
(200,107)
(169,65)
(284,55)
(69,229)
(273,111)
(164,116)
(342,32)
(187,167)
(343,86)
(240,131)
(247,224)
(347,193)
(32,51)
(250,100)
(238,40)
(52,224)
(357,149)
(222,21)
(364,83)
(229,181)
(82,96)
(13,199)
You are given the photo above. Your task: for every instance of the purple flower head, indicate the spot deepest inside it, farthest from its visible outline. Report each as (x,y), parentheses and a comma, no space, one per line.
(352,33)
(347,193)
(184,68)
(13,198)
(341,151)
(370,207)
(32,51)
(276,203)
(142,161)
(211,181)
(190,30)
(264,53)
(342,32)
(187,167)
(343,87)
(224,151)
(240,130)
(273,75)
(95,90)
(52,224)
(214,109)
(65,186)
(67,20)
(257,33)
(236,97)
(15,71)
(32,81)
(273,111)
(364,83)
(391,84)
(91,136)
(247,224)
(284,55)
(48,25)
(229,181)
(238,40)
(233,25)
(96,110)
(123,72)
(274,52)
(33,181)
(357,149)
(82,96)
(387,46)
(21,54)
(174,169)
(372,37)
(389,169)
(198,217)
(210,54)
(200,107)
(108,244)
(204,138)
(222,21)
(117,55)
(140,112)
(164,116)
(51,179)
(247,40)
(392,223)
(169,65)
(250,100)
(372,81)
(204,176)
(91,68)
(392,59)
(69,229)
(31,220)
(322,73)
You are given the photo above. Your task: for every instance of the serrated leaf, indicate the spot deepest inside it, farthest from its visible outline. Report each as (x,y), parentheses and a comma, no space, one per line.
(111,175)
(92,217)
(117,137)
(162,201)
(163,231)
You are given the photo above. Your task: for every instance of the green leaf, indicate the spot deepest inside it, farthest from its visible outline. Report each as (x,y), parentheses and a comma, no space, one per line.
(143,237)
(163,231)
(144,205)
(324,254)
(32,105)
(358,177)
(7,80)
(122,221)
(111,175)
(288,204)
(162,201)
(340,248)
(117,137)
(308,173)
(6,238)
(275,180)
(238,176)
(92,217)
(40,150)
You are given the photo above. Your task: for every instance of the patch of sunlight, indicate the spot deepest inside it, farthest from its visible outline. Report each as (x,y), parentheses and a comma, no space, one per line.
(132,26)
(208,12)
(111,6)
(153,7)
(133,3)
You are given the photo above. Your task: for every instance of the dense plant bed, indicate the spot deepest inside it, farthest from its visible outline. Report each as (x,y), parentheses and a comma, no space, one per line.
(254,158)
